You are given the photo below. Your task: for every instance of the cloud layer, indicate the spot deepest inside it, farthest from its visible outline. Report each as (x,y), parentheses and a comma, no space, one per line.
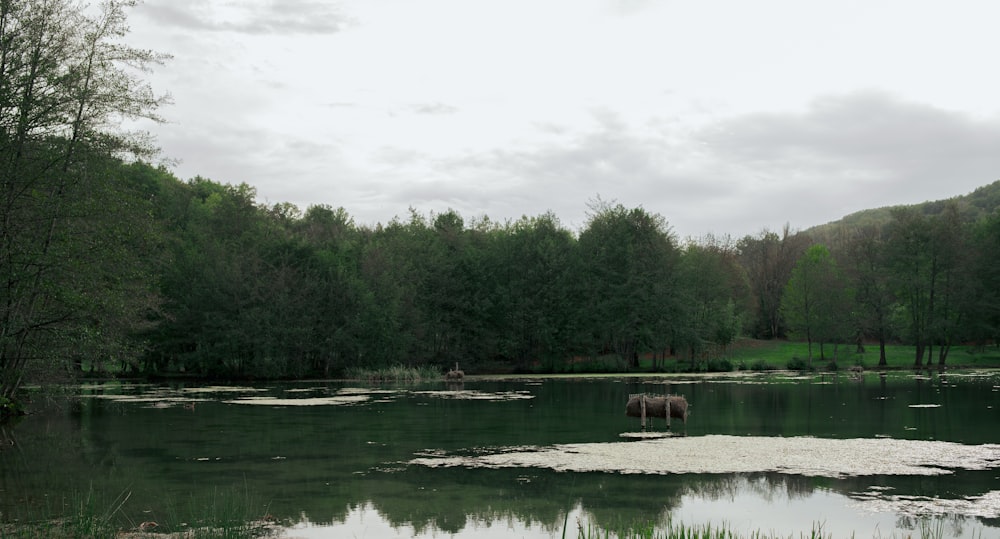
(790,116)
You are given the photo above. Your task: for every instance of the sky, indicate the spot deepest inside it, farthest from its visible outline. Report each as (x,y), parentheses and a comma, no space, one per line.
(723,116)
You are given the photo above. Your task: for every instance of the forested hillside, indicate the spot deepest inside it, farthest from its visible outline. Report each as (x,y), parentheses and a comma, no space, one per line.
(977,205)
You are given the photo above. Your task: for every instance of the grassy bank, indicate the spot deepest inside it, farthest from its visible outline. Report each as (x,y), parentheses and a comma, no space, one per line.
(758,355)
(778,354)
(227,515)
(928,528)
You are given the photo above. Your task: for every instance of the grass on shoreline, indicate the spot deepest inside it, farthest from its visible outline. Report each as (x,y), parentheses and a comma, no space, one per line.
(928,528)
(778,353)
(227,515)
(394,373)
(760,355)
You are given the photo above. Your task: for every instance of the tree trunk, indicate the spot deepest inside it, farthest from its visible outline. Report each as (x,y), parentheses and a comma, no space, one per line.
(881,350)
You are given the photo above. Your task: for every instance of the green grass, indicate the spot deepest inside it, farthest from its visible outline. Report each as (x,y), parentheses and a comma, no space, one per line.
(681,531)
(760,355)
(755,355)
(927,528)
(227,515)
(82,516)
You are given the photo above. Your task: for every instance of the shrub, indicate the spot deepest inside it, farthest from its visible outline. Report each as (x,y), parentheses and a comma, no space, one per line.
(720,365)
(797,364)
(761,365)
(10,408)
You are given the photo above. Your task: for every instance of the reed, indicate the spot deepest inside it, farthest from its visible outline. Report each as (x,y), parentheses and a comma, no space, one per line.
(82,516)
(227,515)
(394,373)
(680,531)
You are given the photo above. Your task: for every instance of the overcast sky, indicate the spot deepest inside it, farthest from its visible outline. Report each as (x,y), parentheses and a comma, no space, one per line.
(723,116)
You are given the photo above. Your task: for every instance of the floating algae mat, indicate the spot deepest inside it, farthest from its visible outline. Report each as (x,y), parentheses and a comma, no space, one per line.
(355,396)
(465,394)
(313,401)
(719,454)
(984,506)
(165,397)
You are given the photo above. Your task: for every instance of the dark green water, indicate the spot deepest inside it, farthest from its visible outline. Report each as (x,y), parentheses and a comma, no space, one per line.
(339,467)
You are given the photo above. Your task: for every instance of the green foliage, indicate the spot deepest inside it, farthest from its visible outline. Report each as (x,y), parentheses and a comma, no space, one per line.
(285,295)
(132,271)
(980,204)
(676,530)
(933,275)
(710,286)
(74,228)
(601,364)
(229,514)
(761,365)
(798,364)
(627,275)
(719,365)
(817,302)
(10,408)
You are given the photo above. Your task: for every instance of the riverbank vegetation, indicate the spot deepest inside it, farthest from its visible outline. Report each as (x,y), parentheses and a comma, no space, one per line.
(112,265)
(928,529)
(226,515)
(393,373)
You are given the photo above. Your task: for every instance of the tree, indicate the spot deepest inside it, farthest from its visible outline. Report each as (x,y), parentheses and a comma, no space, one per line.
(983,319)
(929,261)
(815,303)
(532,289)
(767,261)
(65,82)
(712,291)
(869,272)
(628,263)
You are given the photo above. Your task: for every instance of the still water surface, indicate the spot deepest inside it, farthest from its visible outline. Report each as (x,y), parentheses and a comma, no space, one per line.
(335,459)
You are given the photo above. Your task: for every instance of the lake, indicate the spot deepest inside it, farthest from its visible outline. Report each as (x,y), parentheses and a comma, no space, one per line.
(871,455)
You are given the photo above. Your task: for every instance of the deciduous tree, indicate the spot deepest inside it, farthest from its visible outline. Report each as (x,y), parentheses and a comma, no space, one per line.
(816,301)
(66,82)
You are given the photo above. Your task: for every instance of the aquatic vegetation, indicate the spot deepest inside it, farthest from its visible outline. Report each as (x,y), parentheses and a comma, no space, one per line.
(313,401)
(227,517)
(478,395)
(395,373)
(820,457)
(984,506)
(680,531)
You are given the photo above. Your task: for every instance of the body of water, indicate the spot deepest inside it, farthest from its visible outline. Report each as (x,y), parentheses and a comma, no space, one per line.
(872,456)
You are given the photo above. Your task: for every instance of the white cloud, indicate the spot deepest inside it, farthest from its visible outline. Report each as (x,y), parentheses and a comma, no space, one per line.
(261,17)
(723,116)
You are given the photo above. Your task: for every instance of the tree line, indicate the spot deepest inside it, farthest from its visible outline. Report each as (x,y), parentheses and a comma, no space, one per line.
(108,261)
(240,289)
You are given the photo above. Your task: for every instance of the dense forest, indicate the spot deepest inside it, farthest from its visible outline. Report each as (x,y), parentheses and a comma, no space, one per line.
(108,262)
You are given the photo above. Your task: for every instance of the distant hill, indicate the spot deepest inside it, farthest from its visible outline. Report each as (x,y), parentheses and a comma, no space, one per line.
(982,202)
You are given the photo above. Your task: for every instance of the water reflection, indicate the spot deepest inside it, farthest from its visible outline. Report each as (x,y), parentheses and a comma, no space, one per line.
(781,505)
(338,467)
